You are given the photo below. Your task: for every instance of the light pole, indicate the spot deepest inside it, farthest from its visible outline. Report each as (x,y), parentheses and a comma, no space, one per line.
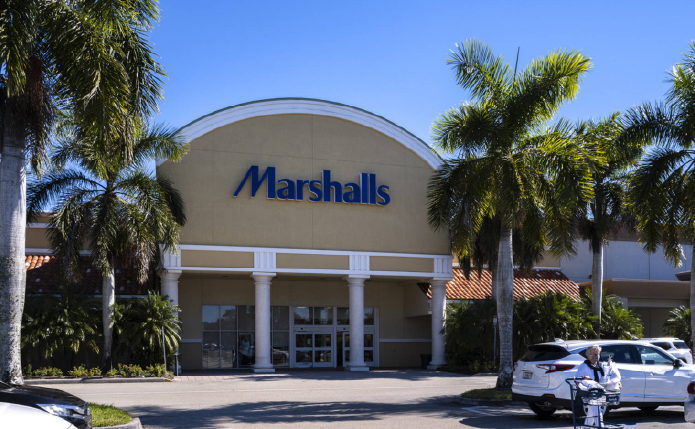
(164,348)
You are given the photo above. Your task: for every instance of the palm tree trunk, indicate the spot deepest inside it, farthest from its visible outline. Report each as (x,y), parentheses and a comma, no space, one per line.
(505,306)
(108,302)
(692,297)
(13,184)
(597,287)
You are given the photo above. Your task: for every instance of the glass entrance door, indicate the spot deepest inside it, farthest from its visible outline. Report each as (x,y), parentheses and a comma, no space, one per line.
(313,349)
(344,343)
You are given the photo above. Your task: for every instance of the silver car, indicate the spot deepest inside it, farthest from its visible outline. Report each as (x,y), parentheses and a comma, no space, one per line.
(674,346)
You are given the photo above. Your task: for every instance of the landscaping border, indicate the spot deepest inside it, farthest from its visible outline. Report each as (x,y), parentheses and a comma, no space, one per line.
(39,381)
(133,424)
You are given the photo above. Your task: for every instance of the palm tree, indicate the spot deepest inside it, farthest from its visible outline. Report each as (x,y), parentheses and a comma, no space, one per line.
(112,205)
(618,323)
(63,323)
(507,162)
(86,57)
(606,211)
(678,324)
(662,187)
(150,316)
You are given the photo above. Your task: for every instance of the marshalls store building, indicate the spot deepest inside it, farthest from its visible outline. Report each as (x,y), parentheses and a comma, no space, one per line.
(307,243)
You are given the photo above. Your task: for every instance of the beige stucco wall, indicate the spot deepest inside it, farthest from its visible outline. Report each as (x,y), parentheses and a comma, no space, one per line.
(36,238)
(300,147)
(325,262)
(388,297)
(204,258)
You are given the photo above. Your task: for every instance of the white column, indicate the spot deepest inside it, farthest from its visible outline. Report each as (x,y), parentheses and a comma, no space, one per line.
(170,285)
(438,323)
(263,363)
(356,285)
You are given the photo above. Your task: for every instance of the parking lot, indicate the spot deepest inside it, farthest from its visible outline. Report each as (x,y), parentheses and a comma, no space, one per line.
(384,399)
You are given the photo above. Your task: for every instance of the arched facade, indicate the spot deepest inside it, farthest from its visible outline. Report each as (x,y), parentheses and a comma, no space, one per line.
(306,227)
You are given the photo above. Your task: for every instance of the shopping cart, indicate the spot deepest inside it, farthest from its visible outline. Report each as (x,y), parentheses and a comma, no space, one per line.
(581,396)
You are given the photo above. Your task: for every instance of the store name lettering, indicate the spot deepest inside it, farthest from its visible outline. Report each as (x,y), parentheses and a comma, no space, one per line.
(326,190)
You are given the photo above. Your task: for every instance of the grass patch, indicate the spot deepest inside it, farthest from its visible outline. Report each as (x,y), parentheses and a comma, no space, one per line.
(108,415)
(488,393)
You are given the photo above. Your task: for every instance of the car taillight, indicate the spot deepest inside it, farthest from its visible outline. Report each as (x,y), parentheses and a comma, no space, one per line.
(554,368)
(691,388)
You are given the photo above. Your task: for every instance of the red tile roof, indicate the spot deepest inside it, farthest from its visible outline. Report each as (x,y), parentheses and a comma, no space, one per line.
(534,283)
(44,276)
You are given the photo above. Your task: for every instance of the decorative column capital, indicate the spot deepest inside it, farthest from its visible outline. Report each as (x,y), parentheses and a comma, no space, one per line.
(263,277)
(356,280)
(438,283)
(170,275)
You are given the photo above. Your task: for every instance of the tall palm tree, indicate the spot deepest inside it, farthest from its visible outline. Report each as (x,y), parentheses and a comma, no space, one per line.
(663,185)
(606,211)
(507,162)
(89,57)
(112,205)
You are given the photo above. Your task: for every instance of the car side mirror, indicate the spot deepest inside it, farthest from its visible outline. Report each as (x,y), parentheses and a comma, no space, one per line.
(678,363)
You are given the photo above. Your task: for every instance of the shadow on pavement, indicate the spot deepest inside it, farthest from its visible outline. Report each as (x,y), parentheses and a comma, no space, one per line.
(630,417)
(274,412)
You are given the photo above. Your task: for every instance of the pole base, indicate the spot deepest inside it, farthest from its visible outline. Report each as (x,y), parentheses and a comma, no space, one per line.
(356,368)
(263,370)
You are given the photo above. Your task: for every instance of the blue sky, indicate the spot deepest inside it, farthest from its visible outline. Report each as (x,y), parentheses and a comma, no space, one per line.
(389,57)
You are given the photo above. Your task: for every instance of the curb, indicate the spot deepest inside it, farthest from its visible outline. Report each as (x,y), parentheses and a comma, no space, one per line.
(133,424)
(34,382)
(487,402)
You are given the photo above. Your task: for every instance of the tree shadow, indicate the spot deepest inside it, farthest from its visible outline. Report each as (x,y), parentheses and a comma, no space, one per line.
(286,412)
(630,417)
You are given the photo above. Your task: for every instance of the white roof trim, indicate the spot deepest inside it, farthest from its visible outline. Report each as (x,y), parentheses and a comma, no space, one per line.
(285,106)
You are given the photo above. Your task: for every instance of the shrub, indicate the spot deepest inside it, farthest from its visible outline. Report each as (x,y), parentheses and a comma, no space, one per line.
(157,370)
(487,366)
(475,366)
(78,371)
(112,372)
(44,372)
(130,370)
(27,371)
(54,372)
(40,372)
(94,372)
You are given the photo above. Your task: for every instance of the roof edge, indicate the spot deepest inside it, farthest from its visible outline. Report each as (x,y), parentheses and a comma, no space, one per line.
(301,105)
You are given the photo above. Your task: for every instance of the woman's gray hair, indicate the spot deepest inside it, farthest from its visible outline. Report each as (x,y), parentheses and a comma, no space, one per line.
(593,349)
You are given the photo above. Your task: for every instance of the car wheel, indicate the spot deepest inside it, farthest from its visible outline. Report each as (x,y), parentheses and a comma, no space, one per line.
(648,409)
(542,410)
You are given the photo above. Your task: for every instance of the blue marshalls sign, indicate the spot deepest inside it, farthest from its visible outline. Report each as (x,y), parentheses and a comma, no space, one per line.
(366,192)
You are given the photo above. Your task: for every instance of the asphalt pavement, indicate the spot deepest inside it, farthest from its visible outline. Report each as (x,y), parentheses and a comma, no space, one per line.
(398,399)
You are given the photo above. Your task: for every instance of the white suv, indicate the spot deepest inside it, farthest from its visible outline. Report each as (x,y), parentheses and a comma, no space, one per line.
(674,346)
(650,376)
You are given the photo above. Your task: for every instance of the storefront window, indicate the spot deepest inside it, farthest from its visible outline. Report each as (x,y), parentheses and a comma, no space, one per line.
(211,317)
(344,316)
(281,349)
(323,315)
(303,315)
(247,318)
(228,317)
(246,349)
(229,337)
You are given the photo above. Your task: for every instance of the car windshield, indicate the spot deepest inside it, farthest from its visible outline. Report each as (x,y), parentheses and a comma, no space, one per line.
(680,345)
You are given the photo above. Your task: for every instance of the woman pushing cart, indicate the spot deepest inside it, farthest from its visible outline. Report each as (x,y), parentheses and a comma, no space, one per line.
(598,385)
